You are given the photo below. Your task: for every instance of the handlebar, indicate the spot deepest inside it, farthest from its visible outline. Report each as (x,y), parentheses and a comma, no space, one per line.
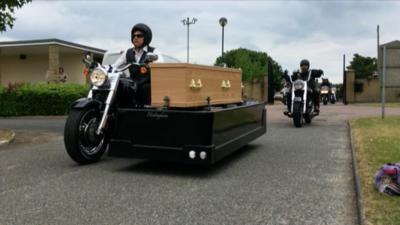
(92,65)
(129,65)
(123,68)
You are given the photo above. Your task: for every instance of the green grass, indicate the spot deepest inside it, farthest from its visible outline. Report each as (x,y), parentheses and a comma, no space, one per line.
(377,142)
(378,104)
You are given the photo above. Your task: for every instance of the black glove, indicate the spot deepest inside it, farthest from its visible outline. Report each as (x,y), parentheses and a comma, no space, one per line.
(285,73)
(286,76)
(317,73)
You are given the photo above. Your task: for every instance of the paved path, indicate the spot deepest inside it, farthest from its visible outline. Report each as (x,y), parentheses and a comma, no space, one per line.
(288,176)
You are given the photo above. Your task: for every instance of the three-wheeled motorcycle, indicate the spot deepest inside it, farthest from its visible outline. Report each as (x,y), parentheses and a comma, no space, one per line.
(198,135)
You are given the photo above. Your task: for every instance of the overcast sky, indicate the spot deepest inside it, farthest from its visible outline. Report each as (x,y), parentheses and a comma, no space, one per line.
(321,31)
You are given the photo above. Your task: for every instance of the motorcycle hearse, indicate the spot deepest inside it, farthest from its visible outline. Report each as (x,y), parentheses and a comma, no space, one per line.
(196,115)
(300,102)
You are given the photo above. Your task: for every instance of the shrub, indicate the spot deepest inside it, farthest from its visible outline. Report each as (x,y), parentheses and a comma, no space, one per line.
(39,99)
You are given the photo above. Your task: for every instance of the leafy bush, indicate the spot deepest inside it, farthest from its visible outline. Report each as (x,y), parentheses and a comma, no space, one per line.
(39,99)
(253,64)
(363,66)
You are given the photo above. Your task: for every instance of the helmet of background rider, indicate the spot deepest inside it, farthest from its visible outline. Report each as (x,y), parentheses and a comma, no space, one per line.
(304,65)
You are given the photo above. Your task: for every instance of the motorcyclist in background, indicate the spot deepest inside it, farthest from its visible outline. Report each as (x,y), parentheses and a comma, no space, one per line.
(303,73)
(325,82)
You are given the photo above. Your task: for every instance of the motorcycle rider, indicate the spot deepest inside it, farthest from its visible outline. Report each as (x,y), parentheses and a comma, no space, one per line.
(303,73)
(325,82)
(137,87)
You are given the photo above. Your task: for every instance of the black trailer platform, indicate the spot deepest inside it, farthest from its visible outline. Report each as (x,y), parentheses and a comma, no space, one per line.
(187,136)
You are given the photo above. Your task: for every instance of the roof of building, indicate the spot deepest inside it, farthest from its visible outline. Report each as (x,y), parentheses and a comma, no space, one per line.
(395,44)
(53,41)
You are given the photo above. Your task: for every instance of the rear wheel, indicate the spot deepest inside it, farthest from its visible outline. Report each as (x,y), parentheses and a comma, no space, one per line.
(82,143)
(297,114)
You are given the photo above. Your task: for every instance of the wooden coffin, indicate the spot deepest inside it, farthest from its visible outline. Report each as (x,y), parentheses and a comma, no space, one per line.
(189,85)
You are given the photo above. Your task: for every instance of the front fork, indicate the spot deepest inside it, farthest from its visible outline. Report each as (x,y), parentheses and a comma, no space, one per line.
(104,118)
(108,102)
(304,99)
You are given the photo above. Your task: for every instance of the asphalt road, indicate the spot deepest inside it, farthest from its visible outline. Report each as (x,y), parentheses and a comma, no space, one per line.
(288,176)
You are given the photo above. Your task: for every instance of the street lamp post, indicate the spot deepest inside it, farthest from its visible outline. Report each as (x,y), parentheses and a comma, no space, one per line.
(223,21)
(187,23)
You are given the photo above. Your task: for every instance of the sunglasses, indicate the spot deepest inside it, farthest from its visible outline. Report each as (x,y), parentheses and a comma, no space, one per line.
(138,35)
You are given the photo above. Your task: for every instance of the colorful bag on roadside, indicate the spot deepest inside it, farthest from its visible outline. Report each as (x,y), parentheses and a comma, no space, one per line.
(387,179)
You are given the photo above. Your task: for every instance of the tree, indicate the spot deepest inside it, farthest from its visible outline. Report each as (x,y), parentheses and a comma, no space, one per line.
(363,66)
(252,63)
(7,8)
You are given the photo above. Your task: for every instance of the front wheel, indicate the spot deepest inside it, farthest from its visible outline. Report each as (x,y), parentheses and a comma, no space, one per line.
(82,143)
(333,100)
(297,114)
(325,100)
(307,118)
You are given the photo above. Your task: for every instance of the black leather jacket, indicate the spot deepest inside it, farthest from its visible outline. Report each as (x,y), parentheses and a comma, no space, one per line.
(135,75)
(314,74)
(325,82)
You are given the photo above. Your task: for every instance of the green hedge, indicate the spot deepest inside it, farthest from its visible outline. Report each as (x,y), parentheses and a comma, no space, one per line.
(40,99)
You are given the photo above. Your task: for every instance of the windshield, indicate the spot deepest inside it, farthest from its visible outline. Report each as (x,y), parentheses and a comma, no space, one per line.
(111,58)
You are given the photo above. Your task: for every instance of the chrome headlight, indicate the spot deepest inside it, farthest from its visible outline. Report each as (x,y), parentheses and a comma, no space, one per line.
(324,90)
(98,77)
(298,85)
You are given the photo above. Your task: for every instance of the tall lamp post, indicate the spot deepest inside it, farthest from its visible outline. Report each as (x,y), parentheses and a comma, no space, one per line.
(223,21)
(187,23)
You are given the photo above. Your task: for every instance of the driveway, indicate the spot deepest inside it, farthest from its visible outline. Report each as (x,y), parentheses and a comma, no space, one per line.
(288,176)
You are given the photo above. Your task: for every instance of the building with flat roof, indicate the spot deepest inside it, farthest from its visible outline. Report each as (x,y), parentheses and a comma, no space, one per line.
(369,90)
(392,63)
(46,60)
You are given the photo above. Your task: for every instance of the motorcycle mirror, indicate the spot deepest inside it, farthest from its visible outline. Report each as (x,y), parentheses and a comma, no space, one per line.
(151,57)
(88,56)
(88,61)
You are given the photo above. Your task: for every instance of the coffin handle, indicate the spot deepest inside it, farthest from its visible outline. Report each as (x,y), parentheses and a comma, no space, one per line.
(199,84)
(226,84)
(195,84)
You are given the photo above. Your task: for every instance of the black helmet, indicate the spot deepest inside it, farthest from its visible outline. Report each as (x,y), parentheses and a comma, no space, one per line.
(305,62)
(145,30)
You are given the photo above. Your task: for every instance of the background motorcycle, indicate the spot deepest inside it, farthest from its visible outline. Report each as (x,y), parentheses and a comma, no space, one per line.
(285,92)
(85,132)
(301,104)
(325,95)
(333,95)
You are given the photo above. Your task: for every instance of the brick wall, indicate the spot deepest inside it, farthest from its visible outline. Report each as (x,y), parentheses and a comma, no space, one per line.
(254,90)
(52,74)
(369,90)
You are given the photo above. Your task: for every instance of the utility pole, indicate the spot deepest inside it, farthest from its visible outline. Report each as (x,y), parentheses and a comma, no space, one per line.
(344,81)
(187,23)
(383,82)
(223,21)
(377,49)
